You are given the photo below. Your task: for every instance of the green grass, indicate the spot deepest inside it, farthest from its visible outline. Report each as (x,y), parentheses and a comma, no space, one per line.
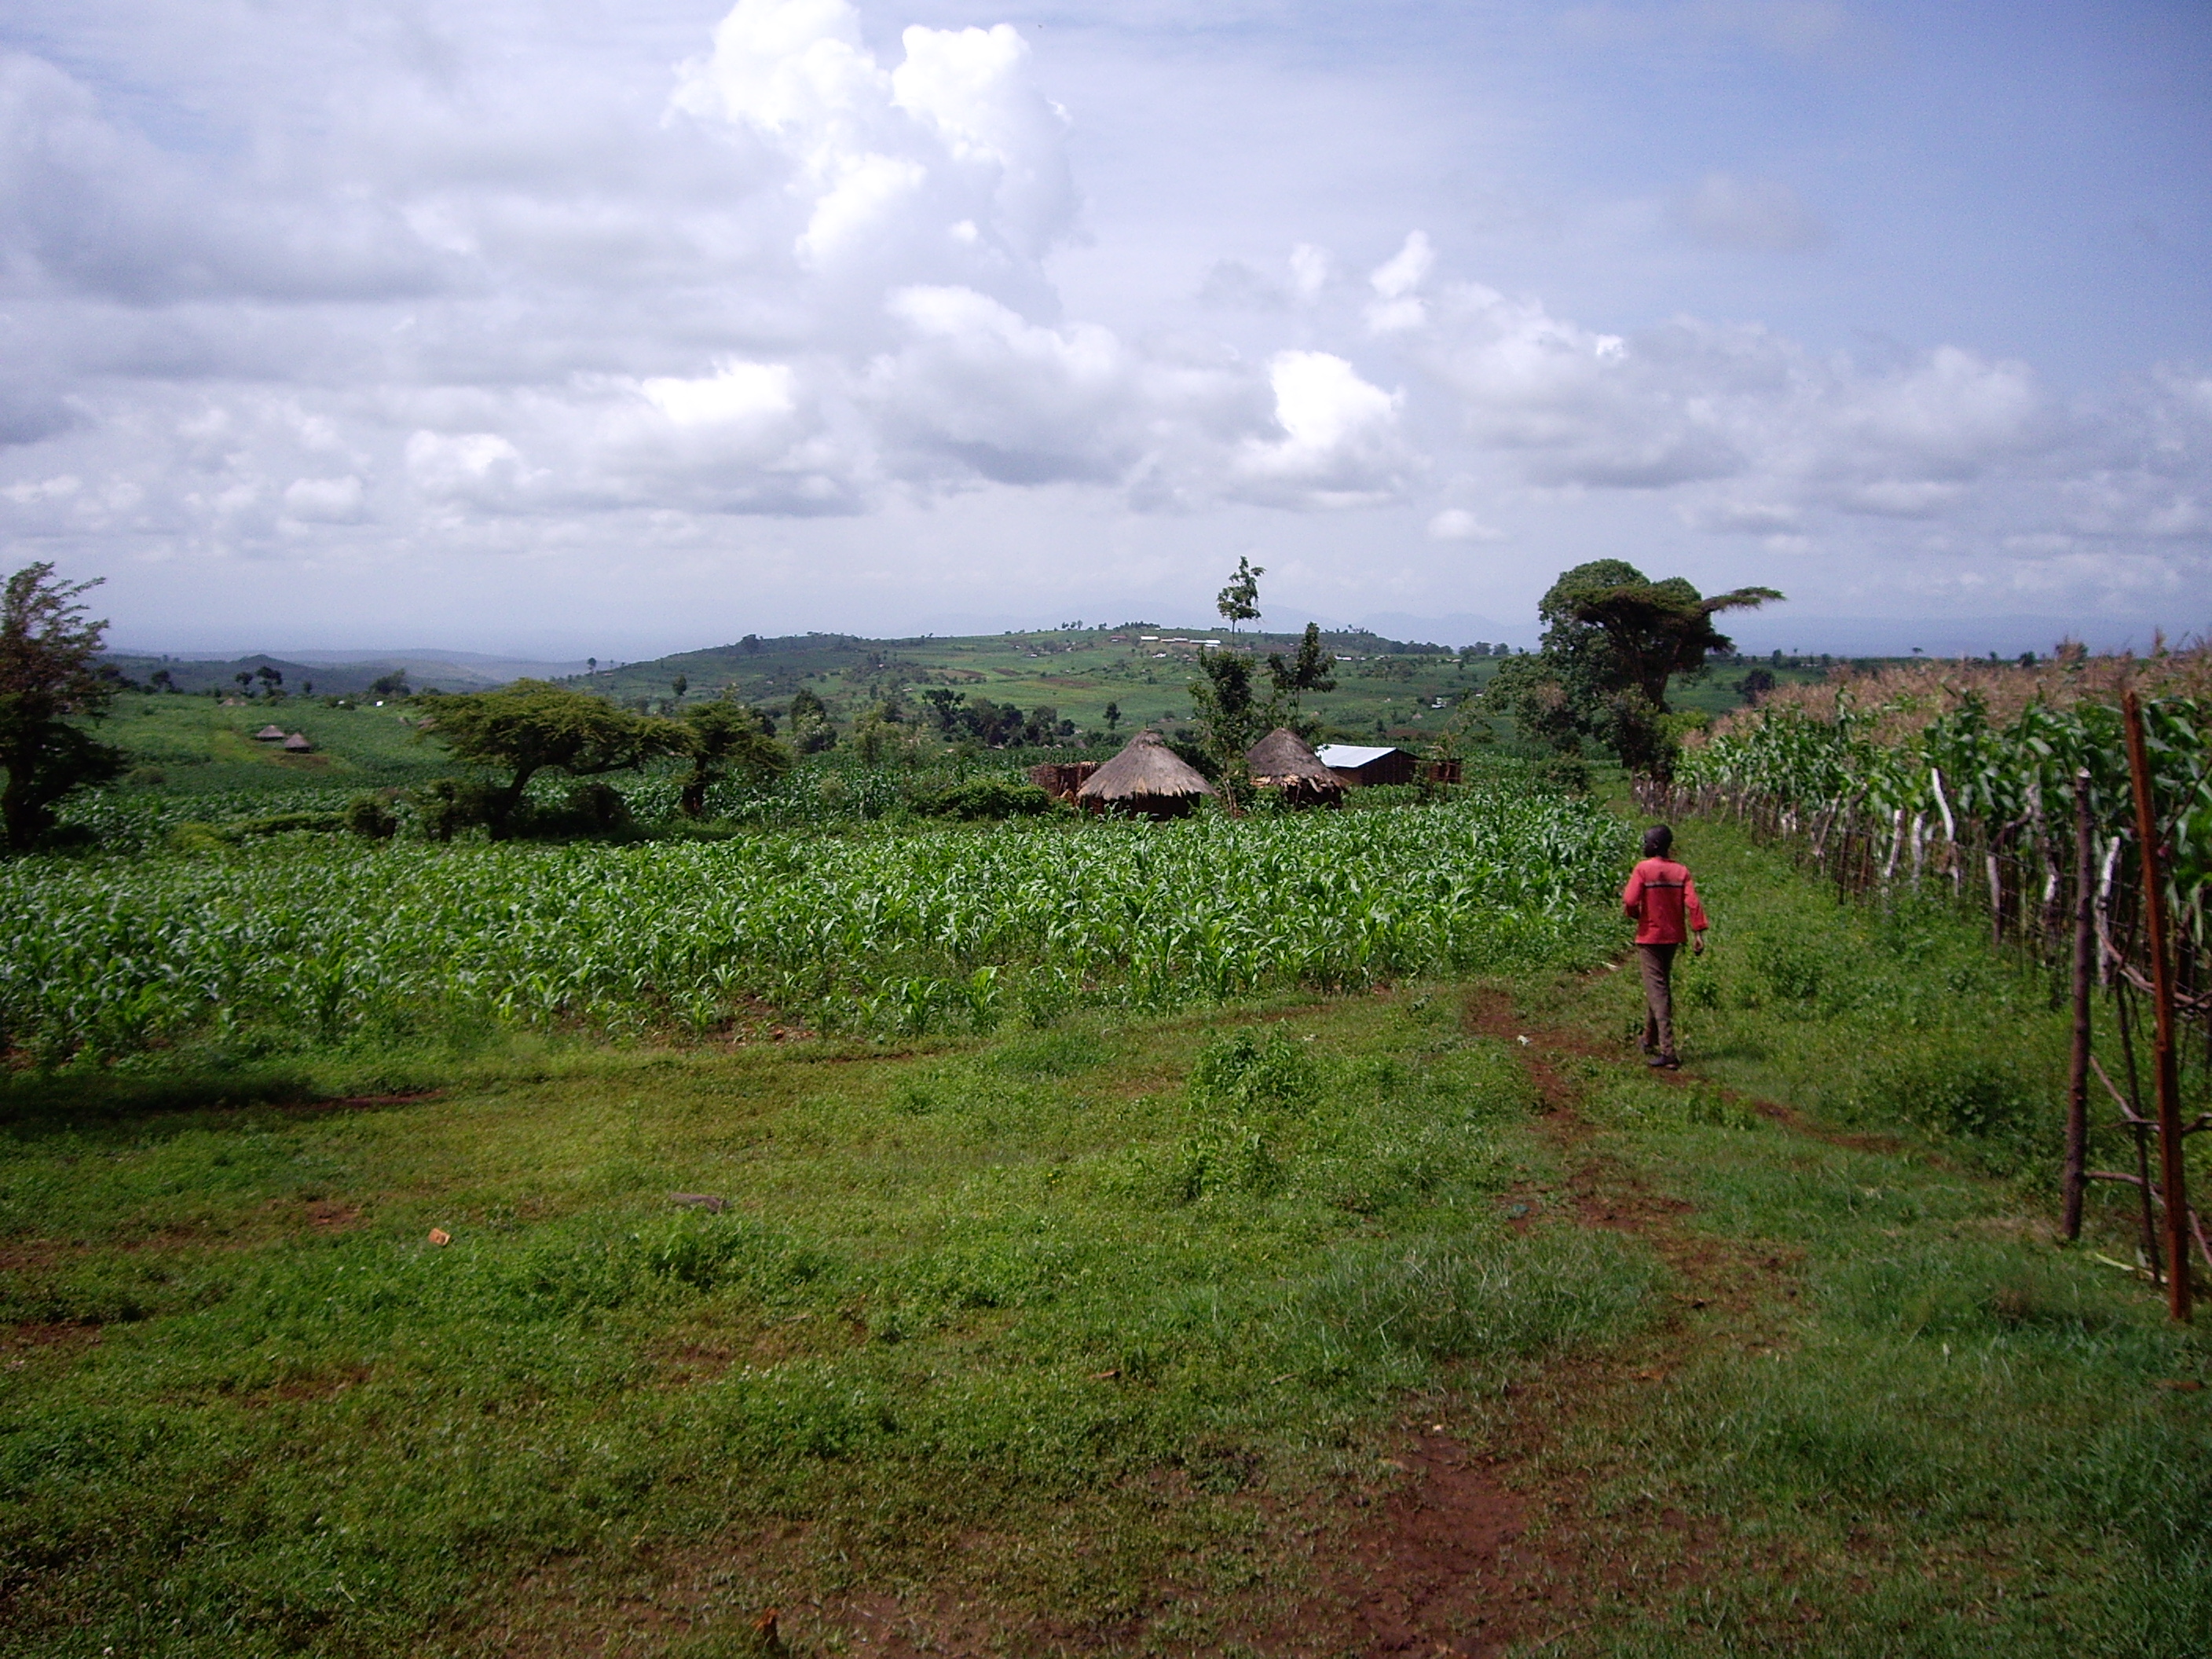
(1070,1338)
(197,745)
(952,1291)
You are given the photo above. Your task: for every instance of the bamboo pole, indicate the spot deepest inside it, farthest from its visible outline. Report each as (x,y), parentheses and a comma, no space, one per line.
(2164,1071)
(2085,945)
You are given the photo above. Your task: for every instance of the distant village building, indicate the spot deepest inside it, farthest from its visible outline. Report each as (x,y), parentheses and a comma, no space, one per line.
(1355,765)
(270,734)
(1285,760)
(1146,777)
(297,743)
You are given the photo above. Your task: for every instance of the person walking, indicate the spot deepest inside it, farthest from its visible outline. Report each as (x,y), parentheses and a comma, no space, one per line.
(1662,900)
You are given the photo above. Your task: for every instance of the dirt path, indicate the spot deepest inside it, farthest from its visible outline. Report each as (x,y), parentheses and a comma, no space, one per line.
(1481,1552)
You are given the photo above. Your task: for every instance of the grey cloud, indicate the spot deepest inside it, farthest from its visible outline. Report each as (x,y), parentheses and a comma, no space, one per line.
(89,206)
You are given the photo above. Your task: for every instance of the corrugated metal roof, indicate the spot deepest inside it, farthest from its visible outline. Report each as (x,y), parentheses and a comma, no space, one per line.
(1349,756)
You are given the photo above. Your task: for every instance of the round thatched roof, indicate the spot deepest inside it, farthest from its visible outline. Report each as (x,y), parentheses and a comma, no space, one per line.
(1283,759)
(1145,769)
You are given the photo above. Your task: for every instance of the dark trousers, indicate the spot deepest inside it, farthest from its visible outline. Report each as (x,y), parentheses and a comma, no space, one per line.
(1657,961)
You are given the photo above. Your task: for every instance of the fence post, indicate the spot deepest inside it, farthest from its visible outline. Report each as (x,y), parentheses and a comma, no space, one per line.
(2085,945)
(2163,1069)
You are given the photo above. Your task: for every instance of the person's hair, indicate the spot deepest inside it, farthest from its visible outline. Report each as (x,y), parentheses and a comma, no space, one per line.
(1657,840)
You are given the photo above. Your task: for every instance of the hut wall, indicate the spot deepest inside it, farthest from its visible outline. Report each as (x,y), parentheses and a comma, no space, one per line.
(1397,767)
(1060,780)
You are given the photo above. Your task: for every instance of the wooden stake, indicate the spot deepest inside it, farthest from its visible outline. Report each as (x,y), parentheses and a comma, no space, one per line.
(2085,945)
(2164,1073)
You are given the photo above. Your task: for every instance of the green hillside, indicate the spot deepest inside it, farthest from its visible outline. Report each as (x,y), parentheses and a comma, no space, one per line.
(1386,690)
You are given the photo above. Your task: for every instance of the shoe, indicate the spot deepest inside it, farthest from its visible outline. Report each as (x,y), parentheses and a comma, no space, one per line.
(1655,1061)
(1669,1063)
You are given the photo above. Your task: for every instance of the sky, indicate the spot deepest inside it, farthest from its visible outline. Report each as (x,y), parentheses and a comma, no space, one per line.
(586,327)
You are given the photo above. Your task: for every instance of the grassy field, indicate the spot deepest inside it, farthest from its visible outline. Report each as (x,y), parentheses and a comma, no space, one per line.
(1418,1321)
(196,745)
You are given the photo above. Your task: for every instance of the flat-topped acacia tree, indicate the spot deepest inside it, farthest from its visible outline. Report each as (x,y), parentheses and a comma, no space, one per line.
(533,725)
(1613,640)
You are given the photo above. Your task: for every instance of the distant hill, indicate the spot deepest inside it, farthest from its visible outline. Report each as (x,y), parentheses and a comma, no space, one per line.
(339,673)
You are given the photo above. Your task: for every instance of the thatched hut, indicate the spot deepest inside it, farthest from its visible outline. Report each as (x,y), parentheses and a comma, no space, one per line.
(297,743)
(270,734)
(1283,760)
(1147,777)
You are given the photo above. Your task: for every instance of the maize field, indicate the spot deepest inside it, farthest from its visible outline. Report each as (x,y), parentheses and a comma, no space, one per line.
(328,939)
(1968,800)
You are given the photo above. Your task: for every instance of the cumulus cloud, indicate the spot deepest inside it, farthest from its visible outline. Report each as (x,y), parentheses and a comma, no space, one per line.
(1340,444)
(1397,282)
(950,167)
(480,470)
(1456,524)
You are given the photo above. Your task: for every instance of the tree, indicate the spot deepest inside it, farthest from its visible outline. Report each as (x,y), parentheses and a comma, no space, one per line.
(679,685)
(245,678)
(48,685)
(945,708)
(809,721)
(1239,602)
(724,738)
(1311,670)
(532,727)
(1113,717)
(1612,641)
(390,685)
(1227,716)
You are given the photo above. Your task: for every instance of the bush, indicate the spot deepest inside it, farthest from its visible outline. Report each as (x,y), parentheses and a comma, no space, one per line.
(985,798)
(371,819)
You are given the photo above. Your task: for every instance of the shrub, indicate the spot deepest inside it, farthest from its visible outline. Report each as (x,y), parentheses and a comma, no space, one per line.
(371,819)
(985,798)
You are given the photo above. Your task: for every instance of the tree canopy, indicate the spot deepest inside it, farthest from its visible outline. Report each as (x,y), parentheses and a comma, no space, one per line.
(1239,602)
(1312,669)
(725,737)
(49,682)
(1229,715)
(1614,639)
(533,725)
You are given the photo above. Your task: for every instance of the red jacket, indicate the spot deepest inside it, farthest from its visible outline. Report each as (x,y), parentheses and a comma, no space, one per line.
(1659,896)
